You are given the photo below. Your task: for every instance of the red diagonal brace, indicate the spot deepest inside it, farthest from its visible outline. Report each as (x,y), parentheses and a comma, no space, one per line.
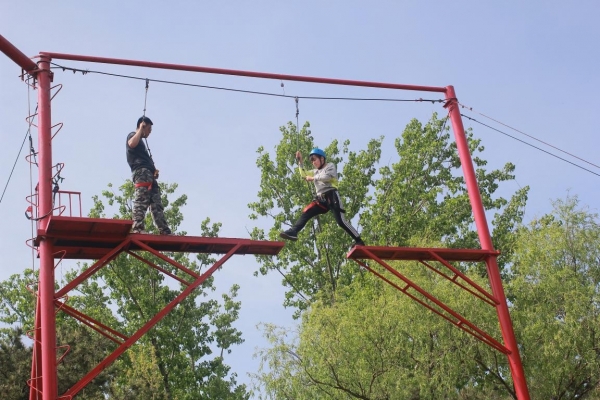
(164,271)
(129,342)
(167,259)
(453,280)
(92,323)
(481,290)
(462,323)
(92,270)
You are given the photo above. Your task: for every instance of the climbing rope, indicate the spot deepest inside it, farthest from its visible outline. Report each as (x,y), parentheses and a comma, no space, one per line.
(146,95)
(144,116)
(297,127)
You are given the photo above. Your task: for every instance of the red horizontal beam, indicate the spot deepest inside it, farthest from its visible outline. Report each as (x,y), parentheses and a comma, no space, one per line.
(252,74)
(16,55)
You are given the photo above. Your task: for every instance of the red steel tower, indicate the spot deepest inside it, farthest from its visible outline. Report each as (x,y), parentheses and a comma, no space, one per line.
(104,239)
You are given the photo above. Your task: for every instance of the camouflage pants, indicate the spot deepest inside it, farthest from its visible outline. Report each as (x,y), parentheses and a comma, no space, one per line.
(148,197)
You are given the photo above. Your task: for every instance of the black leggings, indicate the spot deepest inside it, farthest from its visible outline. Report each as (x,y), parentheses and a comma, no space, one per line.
(326,202)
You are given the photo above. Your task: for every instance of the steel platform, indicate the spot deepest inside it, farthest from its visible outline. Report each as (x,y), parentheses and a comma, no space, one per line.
(93,238)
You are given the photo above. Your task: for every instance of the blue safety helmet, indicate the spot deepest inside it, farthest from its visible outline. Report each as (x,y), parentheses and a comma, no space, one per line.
(318,152)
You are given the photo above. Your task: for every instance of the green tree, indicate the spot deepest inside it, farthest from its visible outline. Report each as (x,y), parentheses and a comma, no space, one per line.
(364,340)
(423,196)
(555,295)
(314,265)
(182,344)
(15,365)
(83,351)
(378,344)
(182,357)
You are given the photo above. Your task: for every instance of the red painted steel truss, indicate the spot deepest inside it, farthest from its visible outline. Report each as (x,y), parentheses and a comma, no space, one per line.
(442,256)
(103,240)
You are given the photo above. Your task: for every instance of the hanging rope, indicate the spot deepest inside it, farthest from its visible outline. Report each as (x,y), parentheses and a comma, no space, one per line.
(146,95)
(297,125)
(310,187)
(144,116)
(13,167)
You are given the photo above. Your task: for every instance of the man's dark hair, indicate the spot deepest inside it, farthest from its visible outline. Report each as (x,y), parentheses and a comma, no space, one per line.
(144,119)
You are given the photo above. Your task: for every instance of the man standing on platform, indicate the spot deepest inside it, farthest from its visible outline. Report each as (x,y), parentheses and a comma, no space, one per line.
(147,192)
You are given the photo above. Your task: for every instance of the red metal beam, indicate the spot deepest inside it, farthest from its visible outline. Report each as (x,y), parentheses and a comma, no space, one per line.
(417,253)
(508,334)
(164,271)
(92,270)
(252,74)
(479,293)
(167,259)
(488,297)
(460,322)
(16,55)
(129,342)
(46,250)
(91,322)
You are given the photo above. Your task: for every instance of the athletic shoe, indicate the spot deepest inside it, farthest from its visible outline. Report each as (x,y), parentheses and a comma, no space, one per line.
(289,234)
(359,242)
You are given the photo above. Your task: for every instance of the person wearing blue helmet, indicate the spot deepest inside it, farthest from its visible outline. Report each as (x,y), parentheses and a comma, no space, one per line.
(324,176)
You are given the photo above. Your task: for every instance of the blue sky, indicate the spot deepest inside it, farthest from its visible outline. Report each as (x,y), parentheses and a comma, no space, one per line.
(532,65)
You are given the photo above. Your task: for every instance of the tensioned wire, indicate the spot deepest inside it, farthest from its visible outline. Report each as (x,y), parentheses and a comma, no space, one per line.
(296,98)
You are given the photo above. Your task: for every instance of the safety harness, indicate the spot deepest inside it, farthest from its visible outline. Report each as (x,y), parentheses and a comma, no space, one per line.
(144,184)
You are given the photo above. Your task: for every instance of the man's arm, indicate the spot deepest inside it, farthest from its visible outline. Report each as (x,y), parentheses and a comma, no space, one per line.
(135,139)
(306,175)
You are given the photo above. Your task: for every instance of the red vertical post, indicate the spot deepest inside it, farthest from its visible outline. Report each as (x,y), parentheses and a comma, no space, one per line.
(508,334)
(36,362)
(46,285)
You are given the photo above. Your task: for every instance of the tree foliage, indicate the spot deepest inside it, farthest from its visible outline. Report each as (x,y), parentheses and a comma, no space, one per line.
(357,337)
(377,344)
(314,265)
(182,357)
(420,198)
(555,295)
(15,359)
